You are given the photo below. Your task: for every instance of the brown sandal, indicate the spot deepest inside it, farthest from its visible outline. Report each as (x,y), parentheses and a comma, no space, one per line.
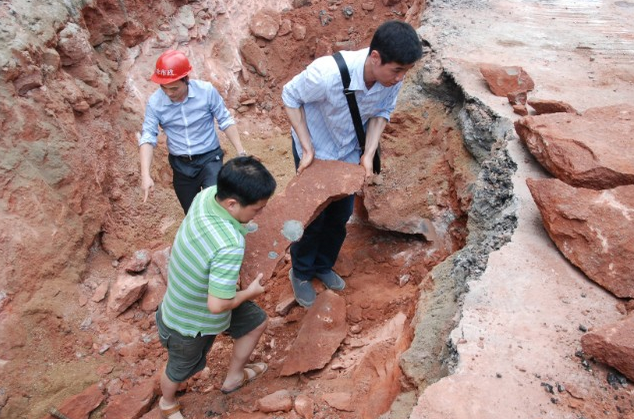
(166,413)
(259,369)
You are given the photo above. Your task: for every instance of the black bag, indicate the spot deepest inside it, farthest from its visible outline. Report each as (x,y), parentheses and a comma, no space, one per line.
(354,111)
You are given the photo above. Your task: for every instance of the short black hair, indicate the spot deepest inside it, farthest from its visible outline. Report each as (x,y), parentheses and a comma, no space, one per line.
(397,42)
(246,180)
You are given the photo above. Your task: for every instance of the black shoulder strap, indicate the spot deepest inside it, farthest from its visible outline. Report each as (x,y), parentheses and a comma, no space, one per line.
(351,98)
(354,109)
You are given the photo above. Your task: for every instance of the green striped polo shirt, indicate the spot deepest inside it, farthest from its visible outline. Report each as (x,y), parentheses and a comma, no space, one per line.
(205,260)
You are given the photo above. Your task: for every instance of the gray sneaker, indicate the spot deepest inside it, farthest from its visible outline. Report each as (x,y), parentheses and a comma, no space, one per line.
(303,290)
(331,280)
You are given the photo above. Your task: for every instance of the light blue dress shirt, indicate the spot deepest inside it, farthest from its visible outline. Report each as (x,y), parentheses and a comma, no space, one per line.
(189,125)
(320,90)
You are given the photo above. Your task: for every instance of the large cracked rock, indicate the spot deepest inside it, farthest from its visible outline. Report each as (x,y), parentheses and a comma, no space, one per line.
(435,159)
(593,230)
(592,150)
(283,220)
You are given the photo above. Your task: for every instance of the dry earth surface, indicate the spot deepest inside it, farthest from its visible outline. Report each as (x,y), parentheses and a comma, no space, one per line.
(521,321)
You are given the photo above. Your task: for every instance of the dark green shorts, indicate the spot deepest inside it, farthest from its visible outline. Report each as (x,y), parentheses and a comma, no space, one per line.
(187,355)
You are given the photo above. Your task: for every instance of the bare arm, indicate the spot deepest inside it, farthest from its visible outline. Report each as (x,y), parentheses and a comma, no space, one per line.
(146,153)
(218,305)
(375,129)
(297,117)
(234,136)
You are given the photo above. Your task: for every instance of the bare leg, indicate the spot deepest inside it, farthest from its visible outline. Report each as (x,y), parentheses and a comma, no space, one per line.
(169,388)
(242,349)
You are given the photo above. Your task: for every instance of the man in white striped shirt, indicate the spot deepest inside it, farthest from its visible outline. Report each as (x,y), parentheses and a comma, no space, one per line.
(322,128)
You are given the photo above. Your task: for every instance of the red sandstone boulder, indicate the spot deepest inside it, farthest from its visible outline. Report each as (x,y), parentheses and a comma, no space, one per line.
(506,80)
(542,106)
(132,404)
(138,262)
(322,331)
(283,220)
(304,406)
(265,24)
(160,259)
(592,150)
(100,292)
(285,27)
(81,405)
(520,110)
(592,229)
(385,345)
(124,292)
(74,45)
(368,6)
(280,401)
(153,294)
(517,98)
(254,56)
(614,345)
(298,32)
(424,187)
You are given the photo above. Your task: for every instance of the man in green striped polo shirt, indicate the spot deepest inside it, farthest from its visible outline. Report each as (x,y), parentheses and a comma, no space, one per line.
(202,298)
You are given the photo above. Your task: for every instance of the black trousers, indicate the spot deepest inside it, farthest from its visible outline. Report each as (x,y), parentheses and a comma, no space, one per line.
(191,174)
(318,249)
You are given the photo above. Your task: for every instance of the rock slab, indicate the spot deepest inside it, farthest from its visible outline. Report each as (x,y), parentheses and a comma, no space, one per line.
(592,229)
(593,150)
(505,80)
(81,405)
(302,200)
(132,404)
(322,331)
(613,344)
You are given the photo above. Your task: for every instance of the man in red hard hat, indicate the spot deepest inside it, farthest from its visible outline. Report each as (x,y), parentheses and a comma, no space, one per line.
(186,110)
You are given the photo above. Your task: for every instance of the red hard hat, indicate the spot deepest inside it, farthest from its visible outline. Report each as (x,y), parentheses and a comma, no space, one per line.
(171,66)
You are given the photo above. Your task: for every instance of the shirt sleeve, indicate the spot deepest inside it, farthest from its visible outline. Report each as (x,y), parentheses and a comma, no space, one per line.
(150,126)
(307,86)
(224,272)
(389,103)
(219,110)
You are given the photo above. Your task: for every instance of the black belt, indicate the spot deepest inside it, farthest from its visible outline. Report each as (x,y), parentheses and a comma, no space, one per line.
(192,157)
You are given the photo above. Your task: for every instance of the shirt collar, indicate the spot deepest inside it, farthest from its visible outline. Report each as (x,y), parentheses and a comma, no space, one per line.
(166,101)
(356,78)
(212,206)
(356,75)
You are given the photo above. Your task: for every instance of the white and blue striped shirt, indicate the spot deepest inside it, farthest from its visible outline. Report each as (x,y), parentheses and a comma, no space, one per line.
(189,125)
(319,90)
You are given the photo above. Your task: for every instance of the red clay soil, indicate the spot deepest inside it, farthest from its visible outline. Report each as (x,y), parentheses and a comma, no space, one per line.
(385,272)
(63,349)
(287,56)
